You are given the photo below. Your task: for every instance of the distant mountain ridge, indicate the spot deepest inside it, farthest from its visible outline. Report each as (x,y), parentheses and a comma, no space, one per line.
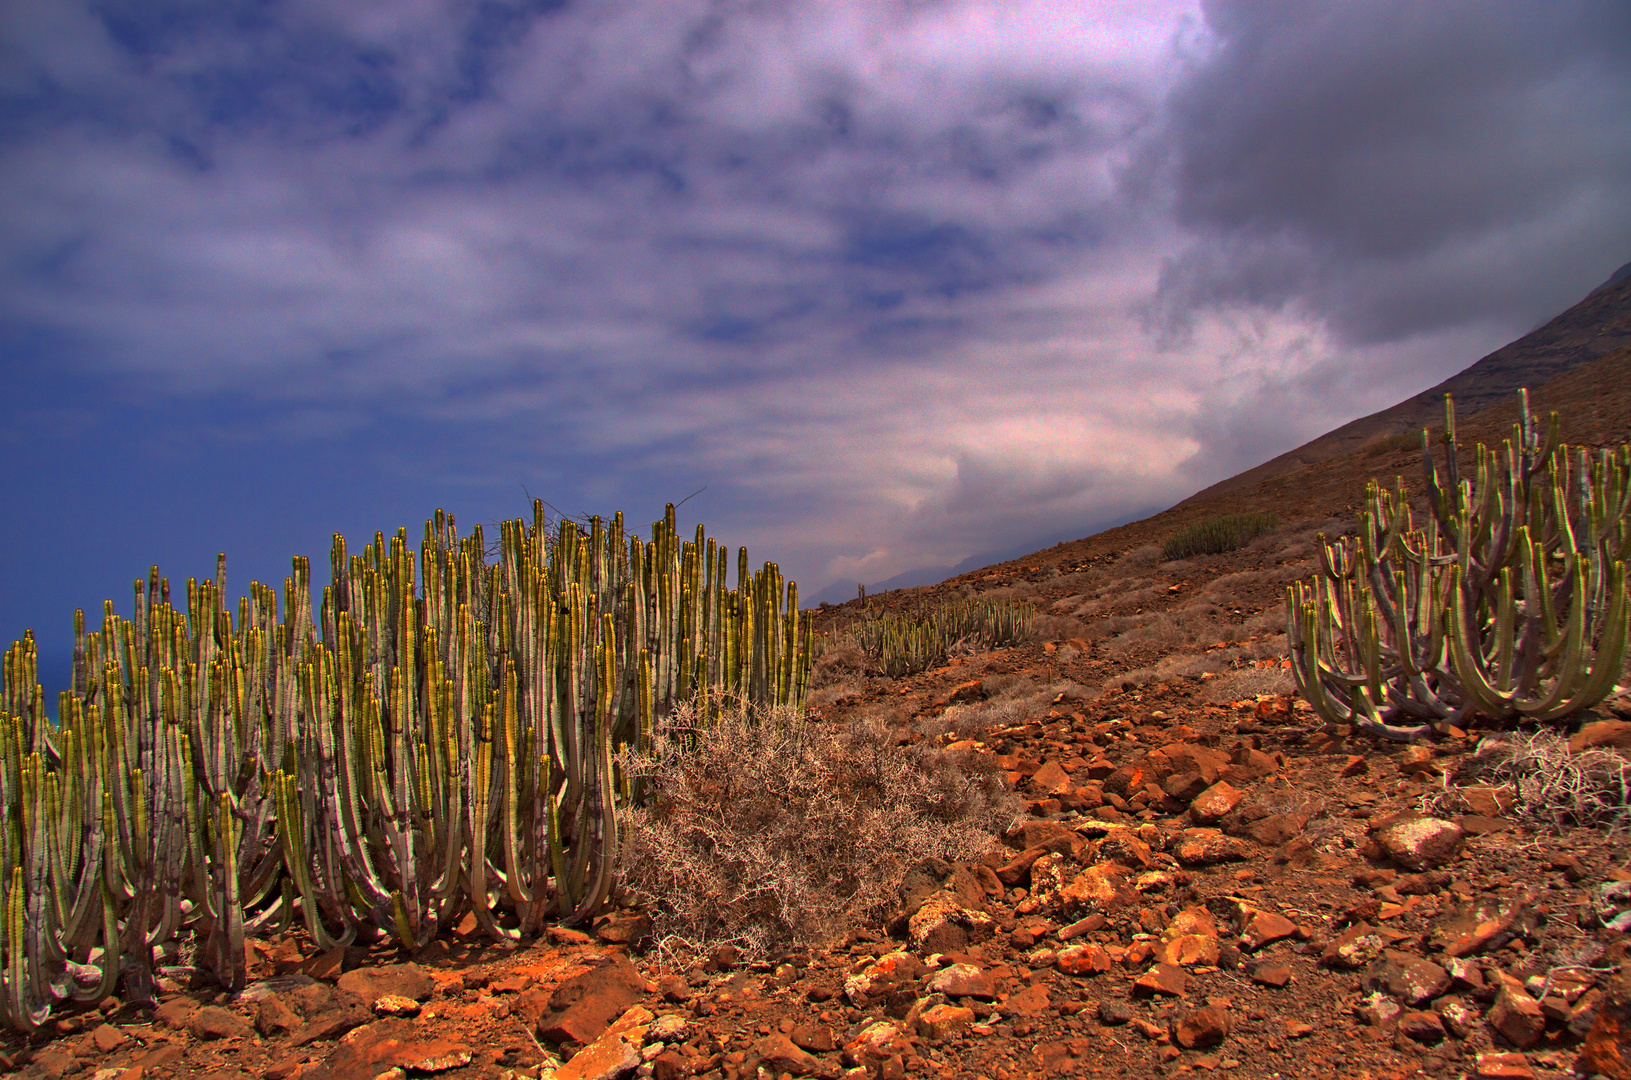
(1598,325)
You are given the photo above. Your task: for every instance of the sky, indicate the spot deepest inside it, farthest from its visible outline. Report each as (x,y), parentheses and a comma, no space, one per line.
(879,285)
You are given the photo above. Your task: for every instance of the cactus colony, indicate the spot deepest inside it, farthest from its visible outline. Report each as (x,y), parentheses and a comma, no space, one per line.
(437,739)
(905,644)
(1510,604)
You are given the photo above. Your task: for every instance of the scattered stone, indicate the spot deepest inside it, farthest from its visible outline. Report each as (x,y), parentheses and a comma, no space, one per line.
(1355,948)
(816,1038)
(944,1020)
(392,980)
(1114,1013)
(1212,804)
(1504,1067)
(395,1005)
(1516,1015)
(1206,847)
(1162,979)
(1266,973)
(582,1006)
(273,1017)
(1420,843)
(614,1053)
(1409,978)
(1083,960)
(1201,1027)
(964,980)
(214,1022)
(390,1044)
(1423,1027)
(108,1038)
(1264,927)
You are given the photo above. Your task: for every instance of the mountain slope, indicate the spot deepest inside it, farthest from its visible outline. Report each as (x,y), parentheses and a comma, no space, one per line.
(1595,327)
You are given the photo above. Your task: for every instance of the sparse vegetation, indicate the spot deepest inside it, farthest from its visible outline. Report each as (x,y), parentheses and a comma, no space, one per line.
(1548,783)
(773,834)
(1511,603)
(1215,535)
(900,645)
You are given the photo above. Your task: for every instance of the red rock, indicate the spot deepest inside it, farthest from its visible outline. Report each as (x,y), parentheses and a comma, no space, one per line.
(1420,842)
(1205,847)
(176,1012)
(394,980)
(963,980)
(1051,778)
(214,1022)
(1611,733)
(1187,950)
(367,1051)
(329,1025)
(1504,1067)
(1031,1001)
(942,1021)
(1267,974)
(973,690)
(1162,979)
(1411,979)
(108,1038)
(1516,1015)
(1017,871)
(1201,1027)
(614,1053)
(326,966)
(625,929)
(395,1005)
(1607,1047)
(509,984)
(1082,960)
(778,1054)
(816,1038)
(563,935)
(273,1017)
(1213,803)
(1423,1027)
(582,1006)
(1486,801)
(1263,927)
(1354,766)
(1356,947)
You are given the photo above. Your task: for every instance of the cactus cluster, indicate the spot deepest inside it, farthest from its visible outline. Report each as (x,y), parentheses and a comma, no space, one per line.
(1215,535)
(437,738)
(1510,604)
(906,644)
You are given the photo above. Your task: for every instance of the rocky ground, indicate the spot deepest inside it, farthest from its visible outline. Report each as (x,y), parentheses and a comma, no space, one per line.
(1202,880)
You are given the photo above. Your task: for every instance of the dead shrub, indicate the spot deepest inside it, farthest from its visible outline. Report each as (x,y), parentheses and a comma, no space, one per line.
(1246,683)
(1550,784)
(773,834)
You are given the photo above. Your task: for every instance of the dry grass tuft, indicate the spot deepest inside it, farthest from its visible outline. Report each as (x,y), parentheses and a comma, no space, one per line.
(774,834)
(1551,784)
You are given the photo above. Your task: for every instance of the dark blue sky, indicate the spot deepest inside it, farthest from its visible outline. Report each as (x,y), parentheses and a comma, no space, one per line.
(895,283)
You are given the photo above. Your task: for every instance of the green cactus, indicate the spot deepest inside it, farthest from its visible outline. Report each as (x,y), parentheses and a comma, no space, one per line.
(1511,603)
(435,737)
(905,644)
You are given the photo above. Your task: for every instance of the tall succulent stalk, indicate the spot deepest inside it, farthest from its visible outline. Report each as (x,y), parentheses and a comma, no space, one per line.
(1511,603)
(434,737)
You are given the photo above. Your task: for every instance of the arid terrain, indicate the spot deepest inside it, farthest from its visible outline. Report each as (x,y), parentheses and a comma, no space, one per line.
(1199,877)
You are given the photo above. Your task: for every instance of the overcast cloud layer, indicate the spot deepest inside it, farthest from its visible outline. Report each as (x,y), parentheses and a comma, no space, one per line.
(897,282)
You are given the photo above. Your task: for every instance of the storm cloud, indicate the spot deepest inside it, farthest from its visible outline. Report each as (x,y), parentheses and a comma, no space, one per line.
(896,283)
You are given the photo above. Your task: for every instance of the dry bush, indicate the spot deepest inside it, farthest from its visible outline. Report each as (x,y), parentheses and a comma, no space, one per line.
(1148,555)
(1057,628)
(1551,784)
(774,834)
(1013,699)
(1244,683)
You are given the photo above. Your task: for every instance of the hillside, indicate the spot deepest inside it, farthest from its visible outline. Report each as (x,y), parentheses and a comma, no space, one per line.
(1597,326)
